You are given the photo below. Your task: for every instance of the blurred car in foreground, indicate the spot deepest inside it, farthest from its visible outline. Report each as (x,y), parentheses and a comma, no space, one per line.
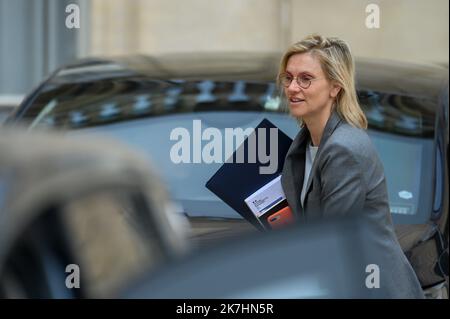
(327,260)
(73,202)
(142,100)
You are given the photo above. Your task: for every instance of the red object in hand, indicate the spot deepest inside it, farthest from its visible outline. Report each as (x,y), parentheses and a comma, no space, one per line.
(281,218)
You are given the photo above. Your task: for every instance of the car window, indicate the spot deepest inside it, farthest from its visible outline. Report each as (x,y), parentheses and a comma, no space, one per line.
(399,114)
(81,105)
(408,164)
(87,104)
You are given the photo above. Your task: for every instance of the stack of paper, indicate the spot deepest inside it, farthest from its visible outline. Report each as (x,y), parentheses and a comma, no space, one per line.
(269,205)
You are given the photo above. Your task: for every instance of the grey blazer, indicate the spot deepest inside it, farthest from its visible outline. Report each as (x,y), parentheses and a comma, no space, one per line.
(346,178)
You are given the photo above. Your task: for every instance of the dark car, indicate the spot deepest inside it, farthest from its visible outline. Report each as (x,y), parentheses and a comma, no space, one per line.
(142,100)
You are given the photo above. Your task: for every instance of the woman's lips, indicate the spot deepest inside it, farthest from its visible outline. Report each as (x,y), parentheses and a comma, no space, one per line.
(294,100)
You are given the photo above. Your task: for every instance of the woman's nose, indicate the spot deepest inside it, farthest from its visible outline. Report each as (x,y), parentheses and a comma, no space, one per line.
(293,87)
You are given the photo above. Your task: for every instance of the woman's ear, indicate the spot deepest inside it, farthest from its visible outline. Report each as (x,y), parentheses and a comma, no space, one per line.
(335,89)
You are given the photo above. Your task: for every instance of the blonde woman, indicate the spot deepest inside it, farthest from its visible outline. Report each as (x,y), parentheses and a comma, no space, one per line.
(332,169)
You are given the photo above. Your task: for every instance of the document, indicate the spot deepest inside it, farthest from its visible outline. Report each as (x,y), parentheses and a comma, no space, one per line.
(269,205)
(266,197)
(236,181)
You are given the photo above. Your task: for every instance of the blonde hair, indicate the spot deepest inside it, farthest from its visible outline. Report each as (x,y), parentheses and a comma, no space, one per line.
(337,63)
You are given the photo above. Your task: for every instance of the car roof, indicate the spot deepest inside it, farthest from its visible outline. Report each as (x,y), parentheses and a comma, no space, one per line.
(395,77)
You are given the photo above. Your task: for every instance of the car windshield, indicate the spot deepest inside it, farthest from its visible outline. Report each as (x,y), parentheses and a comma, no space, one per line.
(103,102)
(79,105)
(143,112)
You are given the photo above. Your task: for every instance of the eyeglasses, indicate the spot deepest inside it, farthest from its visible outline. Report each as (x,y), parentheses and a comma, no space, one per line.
(303,81)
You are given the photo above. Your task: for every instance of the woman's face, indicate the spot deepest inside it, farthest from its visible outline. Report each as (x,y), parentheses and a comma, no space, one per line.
(314,102)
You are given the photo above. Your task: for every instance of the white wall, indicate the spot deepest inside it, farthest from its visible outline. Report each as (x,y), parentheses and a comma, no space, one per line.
(410,30)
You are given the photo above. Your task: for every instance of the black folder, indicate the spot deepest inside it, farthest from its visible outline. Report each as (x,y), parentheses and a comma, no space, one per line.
(235,181)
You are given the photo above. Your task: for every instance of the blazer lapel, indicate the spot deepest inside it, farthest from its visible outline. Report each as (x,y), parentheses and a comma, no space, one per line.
(293,171)
(331,125)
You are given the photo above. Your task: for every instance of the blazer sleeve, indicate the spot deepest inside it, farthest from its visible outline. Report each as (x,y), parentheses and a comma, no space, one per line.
(343,188)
